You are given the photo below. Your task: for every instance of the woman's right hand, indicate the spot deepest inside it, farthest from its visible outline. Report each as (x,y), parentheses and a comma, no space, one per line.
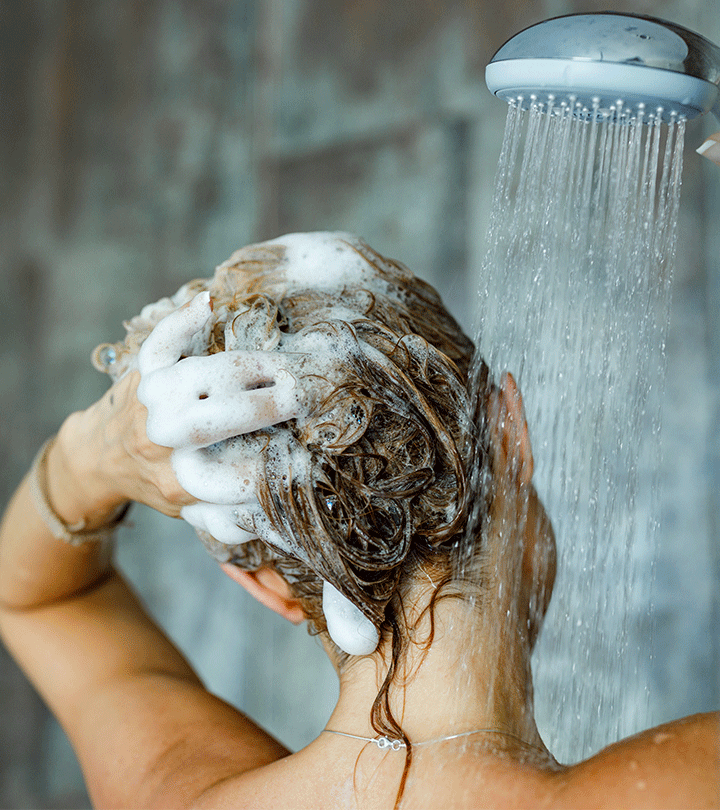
(209,409)
(102,458)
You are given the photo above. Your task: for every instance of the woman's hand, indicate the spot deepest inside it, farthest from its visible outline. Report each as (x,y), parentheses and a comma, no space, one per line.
(197,401)
(711,148)
(102,457)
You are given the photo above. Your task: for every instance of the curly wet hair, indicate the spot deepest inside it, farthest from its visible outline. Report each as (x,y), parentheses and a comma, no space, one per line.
(391,445)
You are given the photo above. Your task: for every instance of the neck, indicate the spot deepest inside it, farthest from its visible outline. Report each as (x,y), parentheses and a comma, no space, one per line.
(474,675)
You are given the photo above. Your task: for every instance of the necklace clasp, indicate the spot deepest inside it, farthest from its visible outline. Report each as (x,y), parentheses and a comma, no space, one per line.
(386,742)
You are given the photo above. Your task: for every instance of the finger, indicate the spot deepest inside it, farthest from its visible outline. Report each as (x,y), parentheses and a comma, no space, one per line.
(220,521)
(171,338)
(235,524)
(203,400)
(222,474)
(711,148)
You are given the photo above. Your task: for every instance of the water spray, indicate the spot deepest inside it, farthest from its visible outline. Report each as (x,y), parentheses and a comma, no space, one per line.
(575,299)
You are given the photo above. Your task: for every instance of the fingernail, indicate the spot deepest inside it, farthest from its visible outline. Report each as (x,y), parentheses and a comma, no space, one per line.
(710,149)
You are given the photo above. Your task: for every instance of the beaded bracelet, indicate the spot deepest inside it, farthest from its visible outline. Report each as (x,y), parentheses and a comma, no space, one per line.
(76,534)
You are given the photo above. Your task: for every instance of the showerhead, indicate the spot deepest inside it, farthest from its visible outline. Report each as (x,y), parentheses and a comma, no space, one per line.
(609,65)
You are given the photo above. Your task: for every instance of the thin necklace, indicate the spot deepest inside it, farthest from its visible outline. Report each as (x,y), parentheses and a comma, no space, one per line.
(395,745)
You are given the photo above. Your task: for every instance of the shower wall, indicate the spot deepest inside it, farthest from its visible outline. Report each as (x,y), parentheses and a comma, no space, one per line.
(142,142)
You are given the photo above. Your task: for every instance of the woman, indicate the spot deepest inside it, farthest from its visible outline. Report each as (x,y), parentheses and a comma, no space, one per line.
(341,491)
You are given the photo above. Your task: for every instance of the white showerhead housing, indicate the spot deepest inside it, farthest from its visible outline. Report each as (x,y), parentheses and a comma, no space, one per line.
(611,63)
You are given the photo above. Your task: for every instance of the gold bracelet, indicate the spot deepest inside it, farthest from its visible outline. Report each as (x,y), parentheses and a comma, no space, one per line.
(76,534)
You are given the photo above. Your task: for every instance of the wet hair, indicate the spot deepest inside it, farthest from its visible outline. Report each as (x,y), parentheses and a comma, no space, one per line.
(392,442)
(388,489)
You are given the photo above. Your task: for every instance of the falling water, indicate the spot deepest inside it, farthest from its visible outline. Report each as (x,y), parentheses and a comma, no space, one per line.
(575,297)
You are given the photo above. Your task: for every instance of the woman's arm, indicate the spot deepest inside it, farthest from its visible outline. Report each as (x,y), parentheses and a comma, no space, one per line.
(144,728)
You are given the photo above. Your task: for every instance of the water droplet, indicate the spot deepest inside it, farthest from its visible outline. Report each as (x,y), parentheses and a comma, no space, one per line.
(107,356)
(331,503)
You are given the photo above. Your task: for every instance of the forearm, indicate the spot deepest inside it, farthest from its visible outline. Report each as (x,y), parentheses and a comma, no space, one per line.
(65,615)
(35,567)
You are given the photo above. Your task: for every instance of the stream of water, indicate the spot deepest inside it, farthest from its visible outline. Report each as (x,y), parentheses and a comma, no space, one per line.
(574,301)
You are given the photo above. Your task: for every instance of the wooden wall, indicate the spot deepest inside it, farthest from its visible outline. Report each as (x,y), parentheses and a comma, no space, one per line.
(141,141)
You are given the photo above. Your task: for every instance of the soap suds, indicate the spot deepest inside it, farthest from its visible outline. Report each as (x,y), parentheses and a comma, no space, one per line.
(347,626)
(324,261)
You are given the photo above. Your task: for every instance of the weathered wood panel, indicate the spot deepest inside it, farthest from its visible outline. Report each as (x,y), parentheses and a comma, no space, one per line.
(141,142)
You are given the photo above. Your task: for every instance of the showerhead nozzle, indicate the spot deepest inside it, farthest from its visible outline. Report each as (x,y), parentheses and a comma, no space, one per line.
(608,65)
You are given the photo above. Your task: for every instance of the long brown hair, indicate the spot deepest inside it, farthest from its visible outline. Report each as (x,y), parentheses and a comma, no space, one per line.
(392,445)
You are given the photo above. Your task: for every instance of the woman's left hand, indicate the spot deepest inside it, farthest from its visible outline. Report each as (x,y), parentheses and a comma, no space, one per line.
(102,457)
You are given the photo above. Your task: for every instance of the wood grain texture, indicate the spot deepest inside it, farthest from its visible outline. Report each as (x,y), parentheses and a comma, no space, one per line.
(142,141)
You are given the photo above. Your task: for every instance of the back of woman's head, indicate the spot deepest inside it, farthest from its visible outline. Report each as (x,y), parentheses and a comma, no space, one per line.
(388,445)
(391,442)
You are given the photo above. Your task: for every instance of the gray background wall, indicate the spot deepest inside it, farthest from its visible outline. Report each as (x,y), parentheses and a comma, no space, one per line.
(141,142)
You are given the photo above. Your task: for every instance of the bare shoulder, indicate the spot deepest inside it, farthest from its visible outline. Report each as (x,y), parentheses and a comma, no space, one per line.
(675,765)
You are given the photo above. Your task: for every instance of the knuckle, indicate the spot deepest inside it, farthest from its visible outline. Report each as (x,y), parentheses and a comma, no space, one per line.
(170,489)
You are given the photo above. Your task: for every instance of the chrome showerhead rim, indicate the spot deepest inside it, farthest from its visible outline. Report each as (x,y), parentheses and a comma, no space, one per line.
(614,63)
(601,90)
